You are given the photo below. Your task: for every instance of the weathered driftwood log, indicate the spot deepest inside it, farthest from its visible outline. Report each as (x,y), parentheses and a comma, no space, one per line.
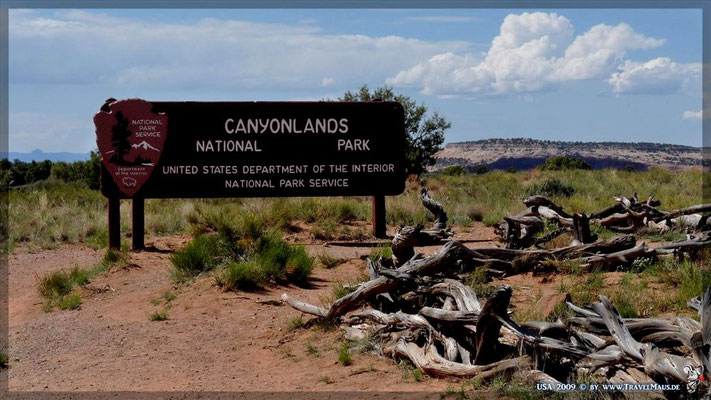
(686,245)
(612,260)
(552,215)
(458,317)
(696,209)
(657,364)
(521,231)
(373,268)
(504,254)
(701,341)
(304,307)
(550,236)
(441,260)
(428,360)
(488,326)
(518,231)
(435,208)
(615,219)
(538,200)
(613,245)
(548,344)
(463,296)
(404,241)
(602,214)
(407,237)
(581,229)
(556,330)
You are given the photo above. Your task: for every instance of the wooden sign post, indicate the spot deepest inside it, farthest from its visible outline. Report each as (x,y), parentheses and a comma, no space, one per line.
(248,149)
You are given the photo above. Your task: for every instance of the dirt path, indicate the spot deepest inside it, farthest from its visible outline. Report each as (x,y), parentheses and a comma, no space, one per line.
(212,340)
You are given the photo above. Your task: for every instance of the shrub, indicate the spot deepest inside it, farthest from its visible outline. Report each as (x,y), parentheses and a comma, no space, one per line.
(159,316)
(454,170)
(312,350)
(201,254)
(114,256)
(380,252)
(60,283)
(561,163)
(294,324)
(552,187)
(281,261)
(324,230)
(625,305)
(344,355)
(70,302)
(169,296)
(692,280)
(56,286)
(264,260)
(299,266)
(4,360)
(245,275)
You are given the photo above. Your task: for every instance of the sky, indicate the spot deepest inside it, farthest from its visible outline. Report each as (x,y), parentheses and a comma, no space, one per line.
(570,74)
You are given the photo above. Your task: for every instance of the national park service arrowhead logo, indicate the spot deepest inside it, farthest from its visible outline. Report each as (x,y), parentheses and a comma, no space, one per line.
(130,138)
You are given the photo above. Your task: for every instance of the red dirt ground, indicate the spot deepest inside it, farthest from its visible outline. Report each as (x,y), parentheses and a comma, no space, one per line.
(212,340)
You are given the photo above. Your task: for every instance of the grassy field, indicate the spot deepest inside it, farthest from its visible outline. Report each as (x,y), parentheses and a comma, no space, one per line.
(45,214)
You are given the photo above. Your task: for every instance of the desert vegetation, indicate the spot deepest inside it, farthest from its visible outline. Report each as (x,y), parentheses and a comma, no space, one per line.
(419,308)
(247,245)
(46,213)
(59,289)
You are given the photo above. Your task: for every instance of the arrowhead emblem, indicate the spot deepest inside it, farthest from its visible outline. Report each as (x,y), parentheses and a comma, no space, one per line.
(130,137)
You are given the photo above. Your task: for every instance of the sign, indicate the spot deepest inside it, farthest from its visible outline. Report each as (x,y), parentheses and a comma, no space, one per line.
(250,149)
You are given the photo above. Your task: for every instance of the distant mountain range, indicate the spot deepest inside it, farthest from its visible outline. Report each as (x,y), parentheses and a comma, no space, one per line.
(39,155)
(515,153)
(528,153)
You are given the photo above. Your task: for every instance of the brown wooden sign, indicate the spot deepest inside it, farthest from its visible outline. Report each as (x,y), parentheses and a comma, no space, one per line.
(251,149)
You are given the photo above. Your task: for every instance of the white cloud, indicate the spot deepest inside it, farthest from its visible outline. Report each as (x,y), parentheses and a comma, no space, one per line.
(692,114)
(88,48)
(660,75)
(598,51)
(534,51)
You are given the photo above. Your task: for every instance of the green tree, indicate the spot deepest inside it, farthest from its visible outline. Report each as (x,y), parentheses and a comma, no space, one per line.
(79,171)
(425,134)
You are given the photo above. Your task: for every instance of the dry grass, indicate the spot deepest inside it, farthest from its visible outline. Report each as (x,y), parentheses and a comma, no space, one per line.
(43,214)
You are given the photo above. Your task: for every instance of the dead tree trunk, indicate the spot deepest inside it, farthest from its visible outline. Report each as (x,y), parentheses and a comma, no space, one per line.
(488,326)
(435,208)
(404,241)
(581,229)
(538,200)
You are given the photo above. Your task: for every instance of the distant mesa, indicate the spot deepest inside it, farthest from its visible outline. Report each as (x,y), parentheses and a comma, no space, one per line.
(39,155)
(525,154)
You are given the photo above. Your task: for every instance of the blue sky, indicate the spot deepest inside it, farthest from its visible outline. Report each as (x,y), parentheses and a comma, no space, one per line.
(586,75)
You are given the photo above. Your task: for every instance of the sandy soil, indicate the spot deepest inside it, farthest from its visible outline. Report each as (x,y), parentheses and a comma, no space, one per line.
(212,340)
